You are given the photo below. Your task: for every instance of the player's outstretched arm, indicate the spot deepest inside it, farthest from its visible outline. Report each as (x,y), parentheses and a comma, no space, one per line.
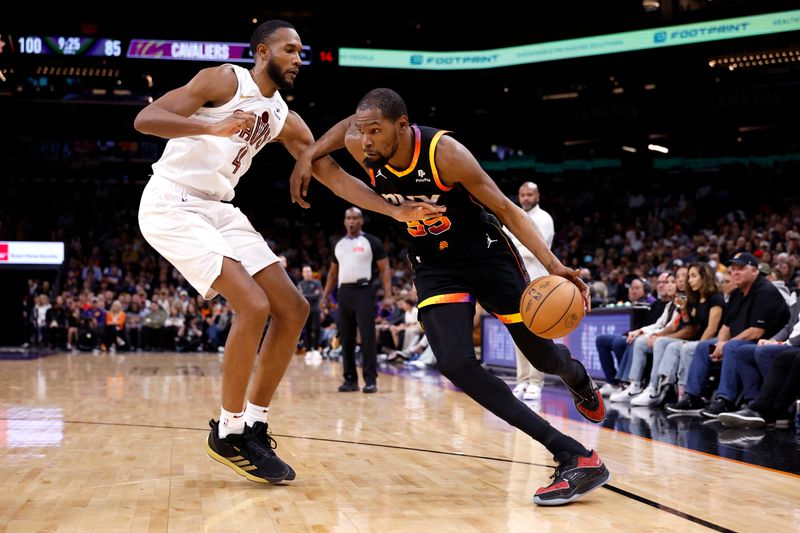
(169,116)
(332,140)
(296,137)
(456,164)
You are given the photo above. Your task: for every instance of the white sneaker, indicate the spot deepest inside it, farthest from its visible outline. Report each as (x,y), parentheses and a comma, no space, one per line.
(626,394)
(313,357)
(648,396)
(608,389)
(519,390)
(533,392)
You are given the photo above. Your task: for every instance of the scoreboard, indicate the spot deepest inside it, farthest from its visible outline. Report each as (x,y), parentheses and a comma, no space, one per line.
(71,45)
(64,45)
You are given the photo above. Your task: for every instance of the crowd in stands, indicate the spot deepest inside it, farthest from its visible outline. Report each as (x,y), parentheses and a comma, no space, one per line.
(699,326)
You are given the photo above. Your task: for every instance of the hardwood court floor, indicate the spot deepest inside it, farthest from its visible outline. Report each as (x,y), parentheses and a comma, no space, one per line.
(115,443)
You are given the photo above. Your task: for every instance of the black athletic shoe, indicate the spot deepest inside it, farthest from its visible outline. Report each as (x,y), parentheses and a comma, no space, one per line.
(249,454)
(690,405)
(588,400)
(572,479)
(370,388)
(743,418)
(718,406)
(348,386)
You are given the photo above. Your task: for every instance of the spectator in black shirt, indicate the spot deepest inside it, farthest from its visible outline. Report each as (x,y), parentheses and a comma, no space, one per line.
(703,315)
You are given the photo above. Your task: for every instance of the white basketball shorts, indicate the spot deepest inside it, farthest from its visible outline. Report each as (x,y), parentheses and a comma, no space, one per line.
(194,233)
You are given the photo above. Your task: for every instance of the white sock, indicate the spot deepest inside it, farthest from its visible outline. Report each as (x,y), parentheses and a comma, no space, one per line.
(255,413)
(230,423)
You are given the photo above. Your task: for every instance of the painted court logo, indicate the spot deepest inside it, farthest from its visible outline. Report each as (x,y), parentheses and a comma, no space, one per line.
(4,252)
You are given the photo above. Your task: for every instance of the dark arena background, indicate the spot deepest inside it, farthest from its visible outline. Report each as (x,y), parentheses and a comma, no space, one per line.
(660,133)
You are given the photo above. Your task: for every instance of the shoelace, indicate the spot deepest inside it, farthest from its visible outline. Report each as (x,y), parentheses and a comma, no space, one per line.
(264,442)
(559,470)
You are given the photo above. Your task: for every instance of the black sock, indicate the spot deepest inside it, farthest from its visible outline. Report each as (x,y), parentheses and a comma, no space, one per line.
(559,444)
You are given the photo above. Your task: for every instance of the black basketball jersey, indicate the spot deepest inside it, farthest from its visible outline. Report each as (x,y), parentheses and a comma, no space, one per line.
(459,229)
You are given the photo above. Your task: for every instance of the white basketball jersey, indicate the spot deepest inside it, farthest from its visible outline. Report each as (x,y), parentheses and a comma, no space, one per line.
(213,165)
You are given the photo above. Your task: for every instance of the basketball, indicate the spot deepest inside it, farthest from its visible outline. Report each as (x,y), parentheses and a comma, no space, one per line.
(551,306)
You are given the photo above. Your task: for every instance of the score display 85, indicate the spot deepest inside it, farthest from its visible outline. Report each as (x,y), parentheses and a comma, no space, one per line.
(68,46)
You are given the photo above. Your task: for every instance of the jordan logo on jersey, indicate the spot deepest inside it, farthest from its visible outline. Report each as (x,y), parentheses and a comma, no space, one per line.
(379,175)
(489,241)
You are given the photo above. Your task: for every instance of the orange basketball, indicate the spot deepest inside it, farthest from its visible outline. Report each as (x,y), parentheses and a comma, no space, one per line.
(551,306)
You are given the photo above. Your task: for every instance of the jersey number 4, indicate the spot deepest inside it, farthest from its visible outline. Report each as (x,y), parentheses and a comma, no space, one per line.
(434,226)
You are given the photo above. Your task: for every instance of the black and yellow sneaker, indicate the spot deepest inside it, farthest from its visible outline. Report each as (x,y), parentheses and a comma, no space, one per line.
(250,454)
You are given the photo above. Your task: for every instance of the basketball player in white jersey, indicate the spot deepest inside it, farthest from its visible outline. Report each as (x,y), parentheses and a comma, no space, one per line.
(215,124)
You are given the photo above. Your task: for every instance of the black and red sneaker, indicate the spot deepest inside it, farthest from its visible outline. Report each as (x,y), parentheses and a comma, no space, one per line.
(588,400)
(573,478)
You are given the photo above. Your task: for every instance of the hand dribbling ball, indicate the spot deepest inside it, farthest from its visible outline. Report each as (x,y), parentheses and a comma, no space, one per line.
(551,307)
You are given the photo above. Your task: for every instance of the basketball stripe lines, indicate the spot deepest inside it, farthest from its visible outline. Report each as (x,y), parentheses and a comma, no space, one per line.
(612,488)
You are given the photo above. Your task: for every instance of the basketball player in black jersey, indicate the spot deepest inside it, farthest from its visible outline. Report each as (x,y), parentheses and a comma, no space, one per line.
(460,256)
